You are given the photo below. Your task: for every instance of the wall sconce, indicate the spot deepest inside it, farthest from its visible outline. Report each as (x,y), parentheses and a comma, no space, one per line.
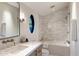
(22,20)
(22,16)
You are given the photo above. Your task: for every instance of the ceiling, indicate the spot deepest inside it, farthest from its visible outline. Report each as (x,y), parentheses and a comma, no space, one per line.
(44,8)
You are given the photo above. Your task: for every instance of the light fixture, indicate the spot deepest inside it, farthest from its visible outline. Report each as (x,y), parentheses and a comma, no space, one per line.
(22,20)
(22,16)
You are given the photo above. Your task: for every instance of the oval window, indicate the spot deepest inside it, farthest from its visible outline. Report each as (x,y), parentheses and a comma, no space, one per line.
(31,24)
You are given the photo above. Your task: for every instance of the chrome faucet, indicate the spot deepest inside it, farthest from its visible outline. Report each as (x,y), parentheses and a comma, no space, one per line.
(12,40)
(6,41)
(68,41)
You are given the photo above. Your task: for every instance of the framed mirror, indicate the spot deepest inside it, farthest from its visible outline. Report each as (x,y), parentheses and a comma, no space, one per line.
(9,19)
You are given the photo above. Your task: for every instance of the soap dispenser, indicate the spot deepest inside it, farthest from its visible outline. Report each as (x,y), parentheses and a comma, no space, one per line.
(26,39)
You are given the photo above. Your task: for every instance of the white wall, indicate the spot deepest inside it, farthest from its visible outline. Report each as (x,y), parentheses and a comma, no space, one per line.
(55,25)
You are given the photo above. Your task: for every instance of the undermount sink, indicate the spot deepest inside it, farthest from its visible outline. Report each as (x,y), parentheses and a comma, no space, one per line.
(13,50)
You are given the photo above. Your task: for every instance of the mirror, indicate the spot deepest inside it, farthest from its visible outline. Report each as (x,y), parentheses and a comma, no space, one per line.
(9,19)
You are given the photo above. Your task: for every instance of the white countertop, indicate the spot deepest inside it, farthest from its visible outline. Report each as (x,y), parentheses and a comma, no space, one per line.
(30,47)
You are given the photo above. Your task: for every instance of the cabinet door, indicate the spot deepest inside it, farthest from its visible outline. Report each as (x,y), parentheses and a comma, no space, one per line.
(34,53)
(39,51)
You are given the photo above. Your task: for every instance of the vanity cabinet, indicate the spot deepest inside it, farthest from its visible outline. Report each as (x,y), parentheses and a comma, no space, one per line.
(37,52)
(33,53)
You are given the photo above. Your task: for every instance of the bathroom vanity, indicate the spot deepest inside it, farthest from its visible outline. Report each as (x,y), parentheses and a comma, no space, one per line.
(37,52)
(23,49)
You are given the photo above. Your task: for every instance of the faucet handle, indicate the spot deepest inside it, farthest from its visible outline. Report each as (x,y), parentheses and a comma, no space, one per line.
(8,40)
(68,41)
(4,41)
(12,40)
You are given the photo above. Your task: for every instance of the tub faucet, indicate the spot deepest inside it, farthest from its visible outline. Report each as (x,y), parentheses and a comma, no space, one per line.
(68,41)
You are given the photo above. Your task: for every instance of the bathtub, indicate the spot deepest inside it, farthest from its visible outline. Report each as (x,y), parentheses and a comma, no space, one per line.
(57,48)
